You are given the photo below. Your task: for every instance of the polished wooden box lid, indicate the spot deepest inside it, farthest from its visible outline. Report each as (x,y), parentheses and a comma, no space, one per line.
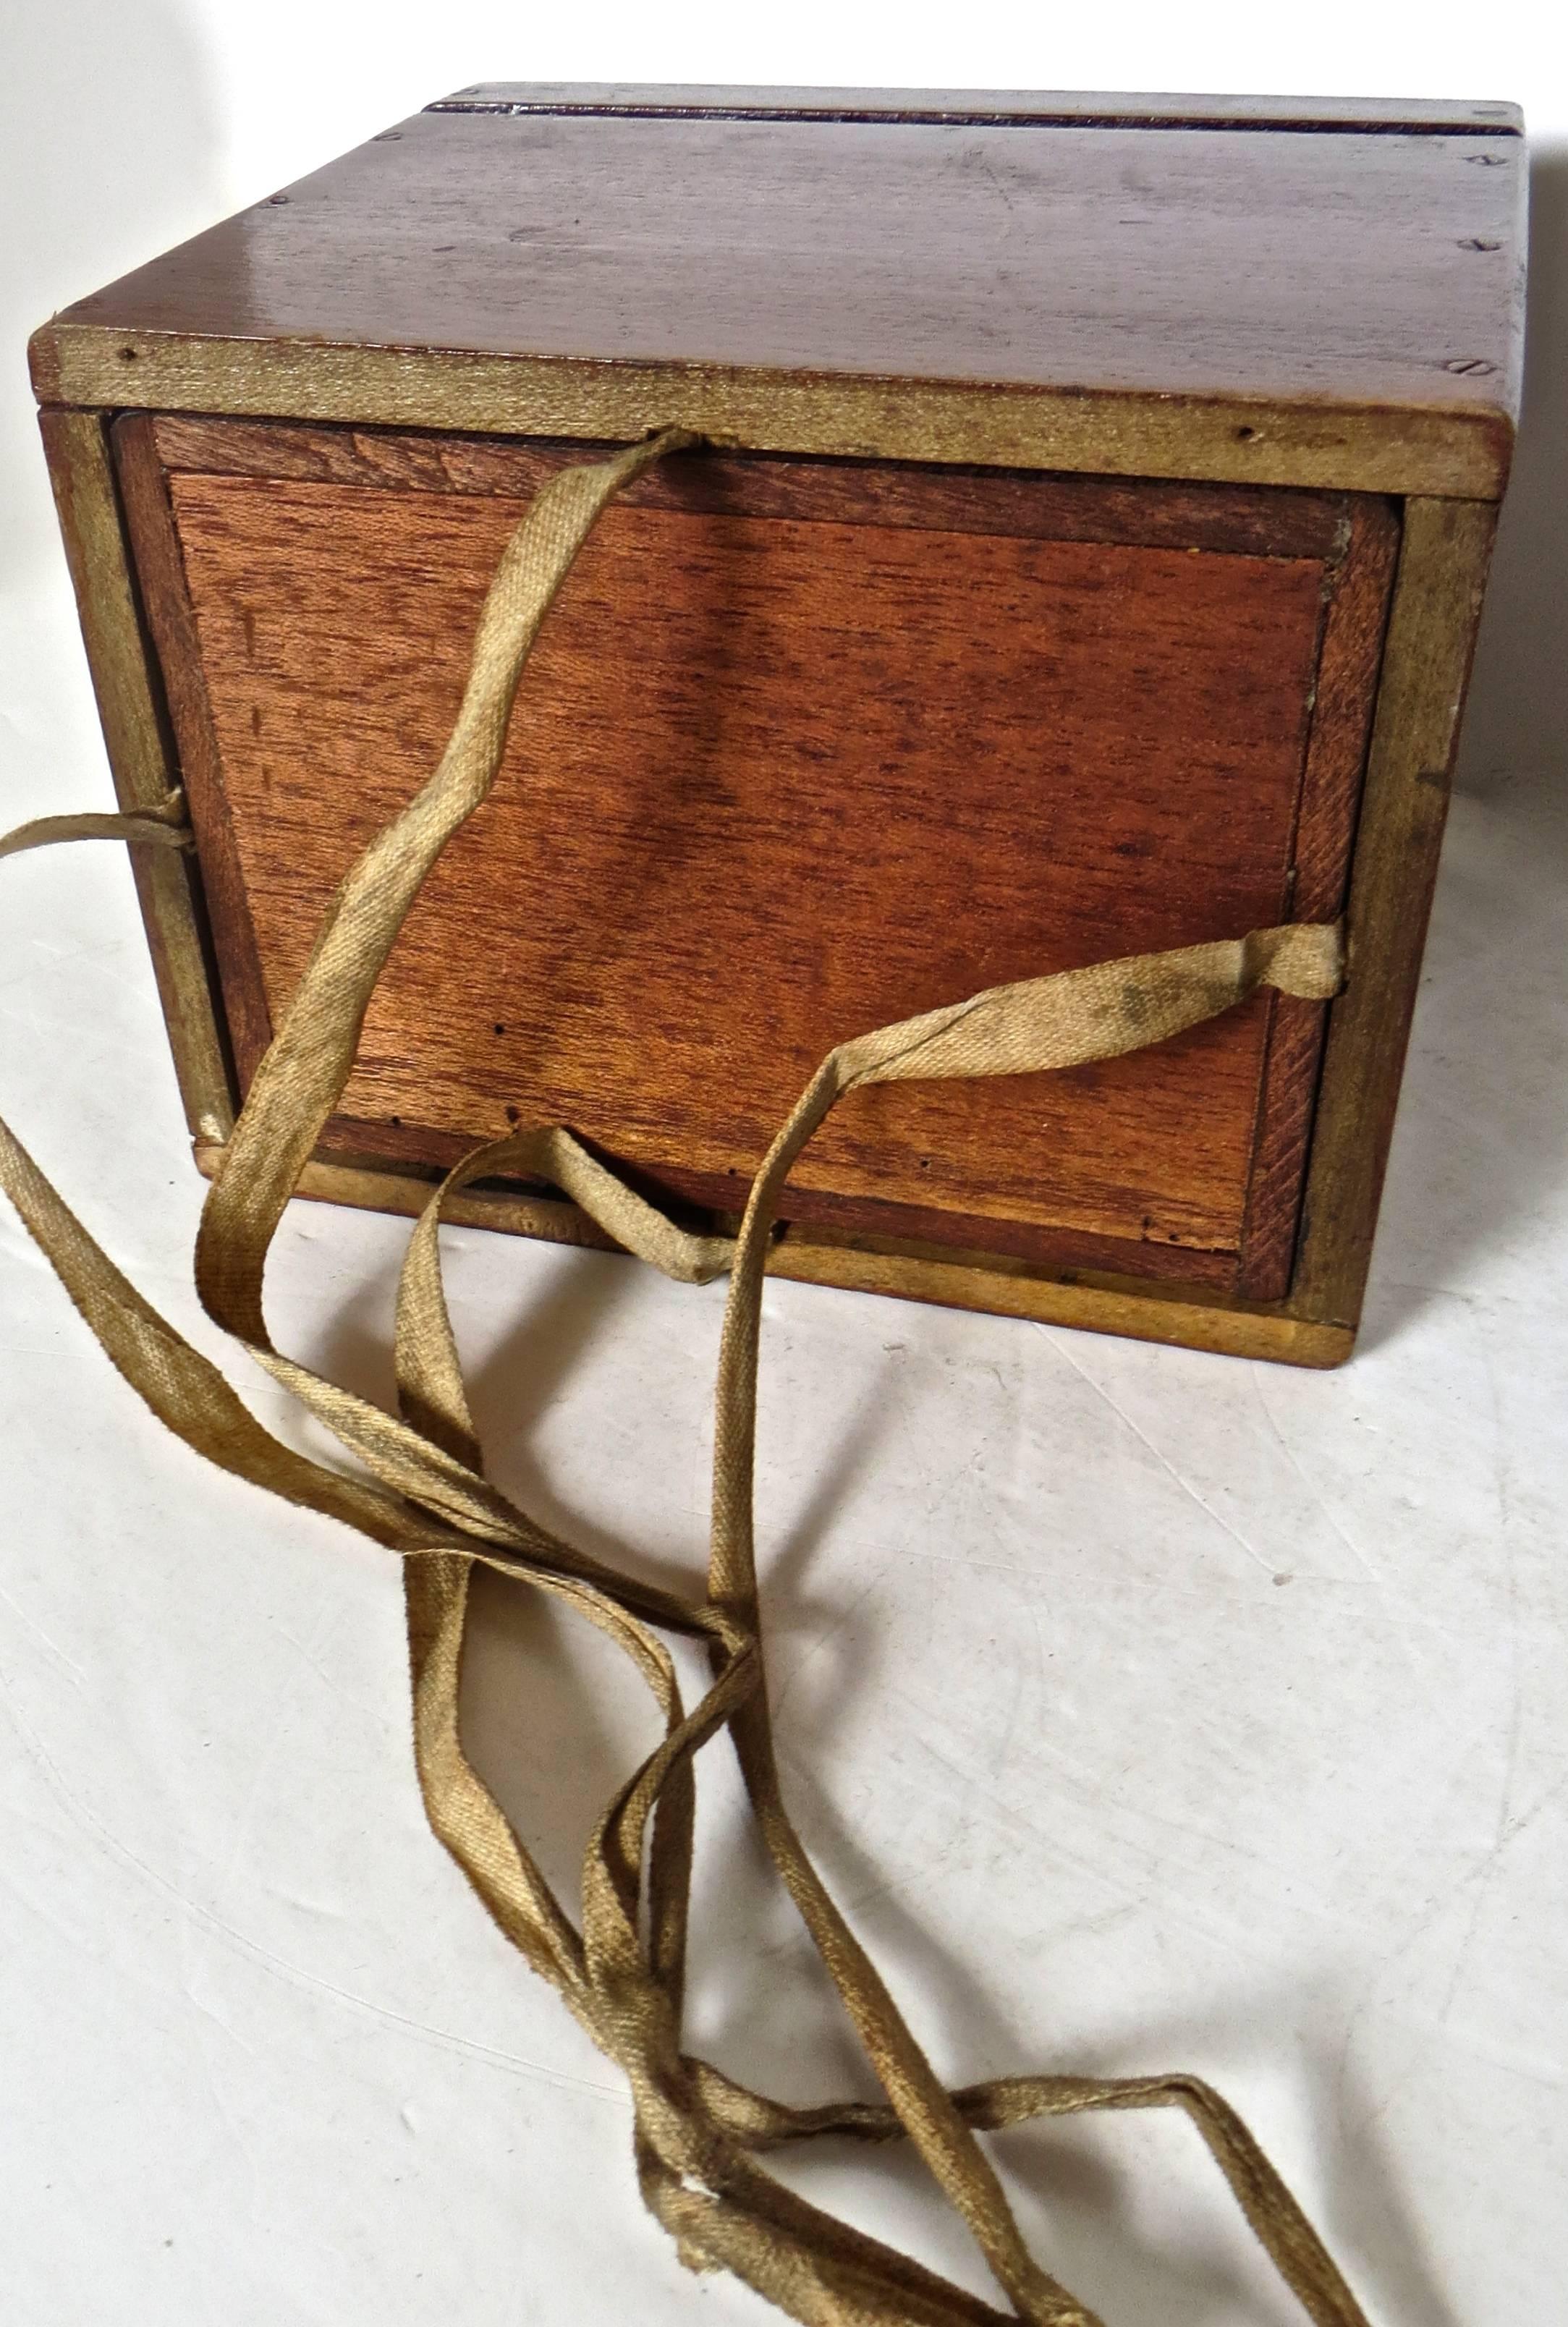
(1267,291)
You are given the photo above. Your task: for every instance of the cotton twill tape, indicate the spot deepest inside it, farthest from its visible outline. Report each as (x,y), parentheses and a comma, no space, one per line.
(420,1490)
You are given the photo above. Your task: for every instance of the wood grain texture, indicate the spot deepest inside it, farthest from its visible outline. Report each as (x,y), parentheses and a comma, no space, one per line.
(701,1201)
(1238,263)
(1105,1306)
(1279,308)
(1244,519)
(1432,633)
(142,758)
(893,720)
(1355,612)
(698,870)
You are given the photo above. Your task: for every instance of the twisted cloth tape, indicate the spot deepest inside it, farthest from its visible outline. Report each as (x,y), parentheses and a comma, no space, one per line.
(420,1490)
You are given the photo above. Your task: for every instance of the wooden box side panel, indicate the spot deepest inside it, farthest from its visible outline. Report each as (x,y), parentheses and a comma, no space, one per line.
(899,736)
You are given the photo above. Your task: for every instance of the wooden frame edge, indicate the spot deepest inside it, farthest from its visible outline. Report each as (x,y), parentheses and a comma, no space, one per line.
(141,754)
(1447,453)
(1145,1315)
(1432,633)
(1349,664)
(170,627)
(1052,109)
(1024,504)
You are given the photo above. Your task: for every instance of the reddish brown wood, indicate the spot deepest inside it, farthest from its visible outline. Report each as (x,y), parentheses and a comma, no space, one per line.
(1355,612)
(1372,270)
(696,1196)
(798,753)
(1248,519)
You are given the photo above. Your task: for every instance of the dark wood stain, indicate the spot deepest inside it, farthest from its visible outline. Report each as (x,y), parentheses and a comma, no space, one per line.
(1246,263)
(1026,108)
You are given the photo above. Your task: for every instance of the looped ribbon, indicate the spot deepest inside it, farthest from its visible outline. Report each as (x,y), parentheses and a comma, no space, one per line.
(420,1490)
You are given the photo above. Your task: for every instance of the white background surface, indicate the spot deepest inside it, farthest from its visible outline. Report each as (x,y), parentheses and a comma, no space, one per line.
(1145,1709)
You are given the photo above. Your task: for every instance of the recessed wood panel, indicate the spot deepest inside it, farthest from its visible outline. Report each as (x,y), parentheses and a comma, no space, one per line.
(778,774)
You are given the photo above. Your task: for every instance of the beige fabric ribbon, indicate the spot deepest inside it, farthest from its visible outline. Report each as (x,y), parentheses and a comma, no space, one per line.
(421,1490)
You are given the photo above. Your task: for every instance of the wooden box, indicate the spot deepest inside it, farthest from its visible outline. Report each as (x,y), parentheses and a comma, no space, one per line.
(1084,559)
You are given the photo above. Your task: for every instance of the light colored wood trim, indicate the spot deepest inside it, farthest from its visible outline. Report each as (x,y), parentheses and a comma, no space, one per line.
(550,1220)
(1006,1289)
(141,754)
(1448,451)
(173,640)
(1225,1331)
(1431,632)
